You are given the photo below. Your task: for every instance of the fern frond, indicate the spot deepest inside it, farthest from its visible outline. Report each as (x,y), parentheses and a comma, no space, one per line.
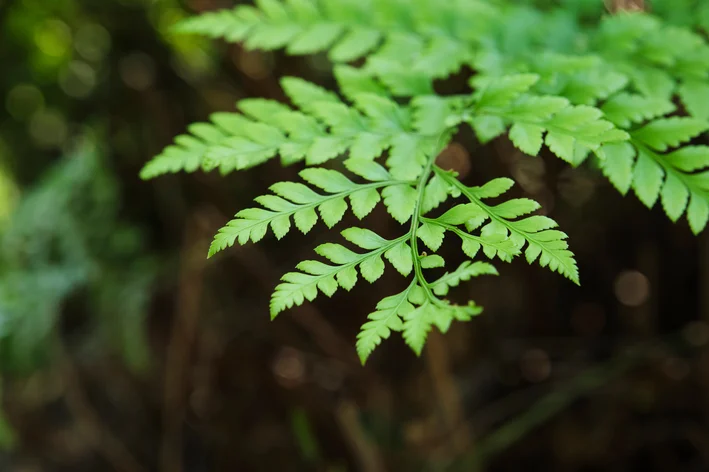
(400,313)
(189,150)
(627,109)
(349,29)
(299,201)
(416,310)
(608,90)
(323,128)
(644,163)
(232,25)
(388,317)
(463,273)
(671,177)
(543,242)
(695,97)
(433,312)
(407,47)
(568,130)
(654,55)
(314,275)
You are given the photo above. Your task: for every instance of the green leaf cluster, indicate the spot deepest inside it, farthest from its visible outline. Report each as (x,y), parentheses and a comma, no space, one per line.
(570,80)
(322,128)
(66,240)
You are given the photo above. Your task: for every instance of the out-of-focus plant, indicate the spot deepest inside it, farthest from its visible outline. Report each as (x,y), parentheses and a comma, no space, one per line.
(65,238)
(68,261)
(65,254)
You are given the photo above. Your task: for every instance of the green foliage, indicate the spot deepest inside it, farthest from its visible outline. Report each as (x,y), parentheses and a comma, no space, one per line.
(297,200)
(647,164)
(568,79)
(325,127)
(64,238)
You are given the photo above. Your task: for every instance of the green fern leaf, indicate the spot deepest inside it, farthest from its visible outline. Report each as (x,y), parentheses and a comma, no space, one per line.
(670,177)
(419,321)
(527,137)
(487,127)
(417,325)
(695,98)
(356,43)
(299,201)
(436,192)
(625,109)
(670,132)
(542,242)
(431,235)
(314,276)
(324,129)
(387,318)
(463,273)
(647,179)
(400,201)
(618,165)
(391,125)
(189,151)
(569,129)
(500,92)
(433,261)
(353,82)
(234,24)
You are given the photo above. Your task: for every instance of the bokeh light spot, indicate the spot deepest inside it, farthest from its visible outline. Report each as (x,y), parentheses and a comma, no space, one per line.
(137,71)
(53,38)
(92,42)
(576,187)
(697,333)
(455,157)
(48,128)
(254,64)
(289,367)
(535,365)
(78,79)
(529,173)
(632,288)
(676,368)
(23,101)
(9,192)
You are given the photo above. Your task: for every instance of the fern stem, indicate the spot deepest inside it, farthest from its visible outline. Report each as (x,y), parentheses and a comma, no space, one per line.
(416,221)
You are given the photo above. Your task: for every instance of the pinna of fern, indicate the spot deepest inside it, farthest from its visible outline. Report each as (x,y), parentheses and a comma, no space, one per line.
(408,183)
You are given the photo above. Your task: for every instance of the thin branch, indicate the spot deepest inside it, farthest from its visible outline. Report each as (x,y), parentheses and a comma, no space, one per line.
(182,338)
(91,426)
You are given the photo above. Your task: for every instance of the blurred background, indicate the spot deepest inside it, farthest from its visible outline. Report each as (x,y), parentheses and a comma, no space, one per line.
(123,348)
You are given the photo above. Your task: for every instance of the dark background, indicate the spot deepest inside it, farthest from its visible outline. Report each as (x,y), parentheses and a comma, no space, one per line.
(123,348)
